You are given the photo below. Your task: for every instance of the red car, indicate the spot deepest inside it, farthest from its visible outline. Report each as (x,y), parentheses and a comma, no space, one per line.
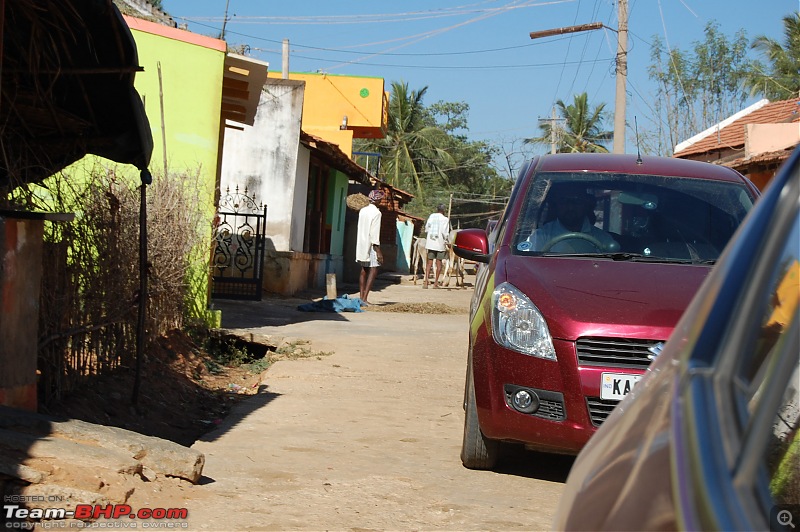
(594,260)
(709,438)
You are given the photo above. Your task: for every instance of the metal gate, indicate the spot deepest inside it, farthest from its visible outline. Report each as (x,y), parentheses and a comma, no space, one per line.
(237,259)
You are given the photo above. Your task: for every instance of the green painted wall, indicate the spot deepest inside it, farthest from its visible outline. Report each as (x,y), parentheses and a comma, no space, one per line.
(336,210)
(191,79)
(190,83)
(188,78)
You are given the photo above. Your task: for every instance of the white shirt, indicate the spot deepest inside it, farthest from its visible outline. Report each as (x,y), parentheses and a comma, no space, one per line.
(369,231)
(541,236)
(437,230)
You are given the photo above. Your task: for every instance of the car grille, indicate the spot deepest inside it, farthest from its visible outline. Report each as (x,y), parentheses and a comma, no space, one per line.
(599,409)
(614,352)
(552,410)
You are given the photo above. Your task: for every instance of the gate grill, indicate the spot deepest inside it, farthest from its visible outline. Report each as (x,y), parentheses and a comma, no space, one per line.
(237,259)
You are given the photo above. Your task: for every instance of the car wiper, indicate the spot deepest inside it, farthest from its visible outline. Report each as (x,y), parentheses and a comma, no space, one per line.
(633,257)
(560,254)
(638,257)
(594,254)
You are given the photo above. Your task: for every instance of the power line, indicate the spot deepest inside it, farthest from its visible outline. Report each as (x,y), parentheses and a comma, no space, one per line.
(452,67)
(216,30)
(376,18)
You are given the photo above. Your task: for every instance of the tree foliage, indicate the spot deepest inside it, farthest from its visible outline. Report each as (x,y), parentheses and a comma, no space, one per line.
(583,128)
(411,152)
(426,153)
(693,90)
(780,80)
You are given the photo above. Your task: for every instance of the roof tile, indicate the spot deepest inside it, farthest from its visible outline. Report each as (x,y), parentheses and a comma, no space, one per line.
(732,135)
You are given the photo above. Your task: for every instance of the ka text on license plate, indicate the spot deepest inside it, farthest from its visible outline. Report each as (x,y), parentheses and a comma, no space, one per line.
(615,386)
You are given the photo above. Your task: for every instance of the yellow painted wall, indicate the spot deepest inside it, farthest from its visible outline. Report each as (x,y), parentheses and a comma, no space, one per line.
(329,98)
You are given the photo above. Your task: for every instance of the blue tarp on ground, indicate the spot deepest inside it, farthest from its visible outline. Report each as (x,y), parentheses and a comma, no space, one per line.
(340,304)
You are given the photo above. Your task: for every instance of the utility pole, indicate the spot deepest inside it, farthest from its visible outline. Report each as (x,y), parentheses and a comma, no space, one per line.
(553,136)
(224,21)
(621,65)
(622,75)
(285,59)
(450,206)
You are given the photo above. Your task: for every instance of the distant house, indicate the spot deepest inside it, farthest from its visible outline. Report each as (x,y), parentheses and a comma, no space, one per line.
(287,142)
(304,181)
(340,108)
(754,141)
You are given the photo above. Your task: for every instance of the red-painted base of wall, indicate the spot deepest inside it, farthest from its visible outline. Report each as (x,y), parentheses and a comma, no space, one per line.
(22,397)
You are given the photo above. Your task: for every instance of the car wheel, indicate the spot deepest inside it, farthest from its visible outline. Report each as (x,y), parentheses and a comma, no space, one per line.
(477,451)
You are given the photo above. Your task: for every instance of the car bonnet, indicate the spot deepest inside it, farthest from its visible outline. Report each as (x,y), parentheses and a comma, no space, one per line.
(592,297)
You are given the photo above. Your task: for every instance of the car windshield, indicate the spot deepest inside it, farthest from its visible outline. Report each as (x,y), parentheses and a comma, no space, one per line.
(629,216)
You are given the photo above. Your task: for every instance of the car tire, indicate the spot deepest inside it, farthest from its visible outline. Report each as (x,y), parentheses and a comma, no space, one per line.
(477,451)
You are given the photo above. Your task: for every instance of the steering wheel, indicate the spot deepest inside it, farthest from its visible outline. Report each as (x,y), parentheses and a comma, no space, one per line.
(568,236)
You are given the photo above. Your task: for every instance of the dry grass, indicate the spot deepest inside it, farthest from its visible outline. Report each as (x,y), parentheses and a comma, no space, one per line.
(90,286)
(418,308)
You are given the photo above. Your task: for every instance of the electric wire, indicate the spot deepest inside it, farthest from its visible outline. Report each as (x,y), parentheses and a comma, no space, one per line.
(376,18)
(440,31)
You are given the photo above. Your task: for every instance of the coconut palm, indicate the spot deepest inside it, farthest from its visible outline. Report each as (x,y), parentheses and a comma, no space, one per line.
(582,129)
(413,151)
(780,80)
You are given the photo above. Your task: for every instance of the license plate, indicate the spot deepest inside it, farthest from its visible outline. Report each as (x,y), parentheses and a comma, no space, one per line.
(615,386)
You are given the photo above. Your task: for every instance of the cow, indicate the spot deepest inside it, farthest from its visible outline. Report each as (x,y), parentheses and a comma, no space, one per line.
(418,255)
(453,264)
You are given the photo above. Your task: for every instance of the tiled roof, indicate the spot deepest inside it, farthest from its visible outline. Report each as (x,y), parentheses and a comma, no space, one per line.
(775,157)
(333,155)
(732,135)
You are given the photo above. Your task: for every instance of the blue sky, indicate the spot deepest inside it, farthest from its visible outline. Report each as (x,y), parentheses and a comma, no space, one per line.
(480,51)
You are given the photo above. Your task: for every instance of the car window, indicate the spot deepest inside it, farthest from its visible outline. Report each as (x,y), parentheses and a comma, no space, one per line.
(655,217)
(768,378)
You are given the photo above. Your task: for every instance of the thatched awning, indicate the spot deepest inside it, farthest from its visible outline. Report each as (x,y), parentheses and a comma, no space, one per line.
(67,88)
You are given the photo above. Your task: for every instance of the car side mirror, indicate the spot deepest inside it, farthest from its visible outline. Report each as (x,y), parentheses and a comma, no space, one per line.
(472,244)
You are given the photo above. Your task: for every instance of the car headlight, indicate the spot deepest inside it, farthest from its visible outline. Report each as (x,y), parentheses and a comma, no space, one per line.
(517,324)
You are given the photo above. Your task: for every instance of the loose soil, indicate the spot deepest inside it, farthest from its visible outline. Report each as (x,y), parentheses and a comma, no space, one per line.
(184,392)
(363,434)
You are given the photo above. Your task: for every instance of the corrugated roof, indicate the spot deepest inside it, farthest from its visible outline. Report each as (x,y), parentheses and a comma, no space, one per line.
(731,135)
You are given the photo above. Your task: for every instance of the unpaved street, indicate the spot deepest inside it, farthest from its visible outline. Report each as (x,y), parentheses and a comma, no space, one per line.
(367,438)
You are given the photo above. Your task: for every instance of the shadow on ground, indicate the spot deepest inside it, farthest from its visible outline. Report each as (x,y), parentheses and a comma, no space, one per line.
(276,310)
(530,464)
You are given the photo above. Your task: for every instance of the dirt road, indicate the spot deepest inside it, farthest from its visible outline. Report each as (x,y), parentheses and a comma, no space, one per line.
(367,438)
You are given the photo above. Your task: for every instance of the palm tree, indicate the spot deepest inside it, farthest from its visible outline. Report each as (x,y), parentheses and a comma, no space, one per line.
(414,149)
(779,81)
(583,128)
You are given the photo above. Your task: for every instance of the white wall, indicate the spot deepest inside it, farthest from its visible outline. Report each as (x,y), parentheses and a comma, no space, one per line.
(300,198)
(265,158)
